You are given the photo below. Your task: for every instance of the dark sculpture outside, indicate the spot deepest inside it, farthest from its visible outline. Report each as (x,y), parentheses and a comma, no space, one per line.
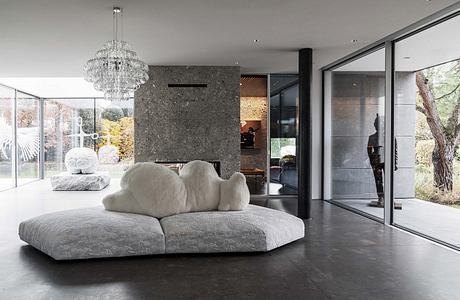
(376,155)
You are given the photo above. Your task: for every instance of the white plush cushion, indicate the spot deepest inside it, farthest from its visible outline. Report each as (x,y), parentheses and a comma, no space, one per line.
(234,193)
(202,184)
(155,190)
(150,189)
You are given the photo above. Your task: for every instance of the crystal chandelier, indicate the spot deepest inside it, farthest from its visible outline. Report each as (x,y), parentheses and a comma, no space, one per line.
(116,70)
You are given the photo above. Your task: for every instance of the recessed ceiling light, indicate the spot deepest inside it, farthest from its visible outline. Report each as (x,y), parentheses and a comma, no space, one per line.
(406,57)
(354,40)
(237,62)
(256,41)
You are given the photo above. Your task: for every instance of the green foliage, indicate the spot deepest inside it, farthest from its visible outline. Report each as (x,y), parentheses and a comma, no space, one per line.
(444,82)
(425,190)
(121,136)
(277,143)
(424,152)
(114,113)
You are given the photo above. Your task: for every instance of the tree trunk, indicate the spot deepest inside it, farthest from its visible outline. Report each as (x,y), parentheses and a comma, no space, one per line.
(443,167)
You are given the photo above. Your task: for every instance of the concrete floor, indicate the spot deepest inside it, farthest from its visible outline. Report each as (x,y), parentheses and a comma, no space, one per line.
(344,256)
(436,220)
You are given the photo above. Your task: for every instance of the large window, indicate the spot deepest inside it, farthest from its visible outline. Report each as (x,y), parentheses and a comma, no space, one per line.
(6,138)
(357,136)
(409,175)
(19,138)
(111,121)
(61,117)
(427,128)
(28,137)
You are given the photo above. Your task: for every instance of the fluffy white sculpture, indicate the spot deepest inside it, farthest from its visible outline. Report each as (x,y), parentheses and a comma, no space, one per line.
(81,160)
(155,190)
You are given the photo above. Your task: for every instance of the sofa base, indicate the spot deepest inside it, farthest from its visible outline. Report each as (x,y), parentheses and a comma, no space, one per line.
(95,232)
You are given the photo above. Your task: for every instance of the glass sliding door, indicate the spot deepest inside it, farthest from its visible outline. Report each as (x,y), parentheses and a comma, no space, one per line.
(427,129)
(6,138)
(27,137)
(357,102)
(284,98)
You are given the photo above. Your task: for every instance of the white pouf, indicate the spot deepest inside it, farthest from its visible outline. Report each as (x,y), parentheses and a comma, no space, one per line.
(81,160)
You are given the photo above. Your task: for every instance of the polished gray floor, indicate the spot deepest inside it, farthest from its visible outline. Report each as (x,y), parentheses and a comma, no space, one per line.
(432,219)
(344,256)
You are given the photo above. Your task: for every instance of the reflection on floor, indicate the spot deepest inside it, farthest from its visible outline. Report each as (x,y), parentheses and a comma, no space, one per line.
(259,187)
(288,205)
(439,221)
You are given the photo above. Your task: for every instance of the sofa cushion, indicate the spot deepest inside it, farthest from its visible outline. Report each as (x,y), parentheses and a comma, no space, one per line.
(93,232)
(155,190)
(254,229)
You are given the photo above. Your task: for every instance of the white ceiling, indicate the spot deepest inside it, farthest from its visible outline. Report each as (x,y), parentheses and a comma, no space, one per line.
(54,38)
(434,46)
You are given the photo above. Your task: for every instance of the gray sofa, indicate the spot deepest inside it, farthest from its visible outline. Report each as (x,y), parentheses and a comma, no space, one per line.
(96,233)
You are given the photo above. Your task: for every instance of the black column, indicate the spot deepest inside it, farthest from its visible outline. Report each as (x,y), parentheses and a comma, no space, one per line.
(304,138)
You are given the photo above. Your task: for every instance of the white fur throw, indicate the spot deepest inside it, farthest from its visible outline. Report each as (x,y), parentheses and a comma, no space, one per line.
(152,189)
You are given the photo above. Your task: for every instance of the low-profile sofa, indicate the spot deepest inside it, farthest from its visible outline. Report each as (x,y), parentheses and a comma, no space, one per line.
(96,233)
(158,211)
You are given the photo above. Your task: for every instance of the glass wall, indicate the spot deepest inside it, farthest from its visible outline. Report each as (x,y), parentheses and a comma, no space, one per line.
(6,138)
(19,138)
(284,98)
(421,72)
(427,129)
(357,105)
(28,137)
(112,122)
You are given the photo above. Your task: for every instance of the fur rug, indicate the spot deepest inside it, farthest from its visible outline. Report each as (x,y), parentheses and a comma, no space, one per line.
(155,190)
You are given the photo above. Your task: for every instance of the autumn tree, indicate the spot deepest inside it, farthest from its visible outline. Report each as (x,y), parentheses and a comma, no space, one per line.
(439,101)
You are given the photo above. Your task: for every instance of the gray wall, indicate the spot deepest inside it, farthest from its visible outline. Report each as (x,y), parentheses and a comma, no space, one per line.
(187,123)
(356,99)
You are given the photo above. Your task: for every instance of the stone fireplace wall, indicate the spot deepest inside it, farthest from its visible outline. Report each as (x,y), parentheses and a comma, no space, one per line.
(186,113)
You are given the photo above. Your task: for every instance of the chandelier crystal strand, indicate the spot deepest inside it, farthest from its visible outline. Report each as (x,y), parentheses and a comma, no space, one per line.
(116,69)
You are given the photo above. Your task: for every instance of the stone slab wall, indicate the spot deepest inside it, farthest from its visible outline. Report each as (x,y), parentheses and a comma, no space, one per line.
(185,113)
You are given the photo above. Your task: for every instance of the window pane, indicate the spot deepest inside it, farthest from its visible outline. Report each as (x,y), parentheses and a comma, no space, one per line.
(427,128)
(6,138)
(28,137)
(115,125)
(60,126)
(284,96)
(357,112)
